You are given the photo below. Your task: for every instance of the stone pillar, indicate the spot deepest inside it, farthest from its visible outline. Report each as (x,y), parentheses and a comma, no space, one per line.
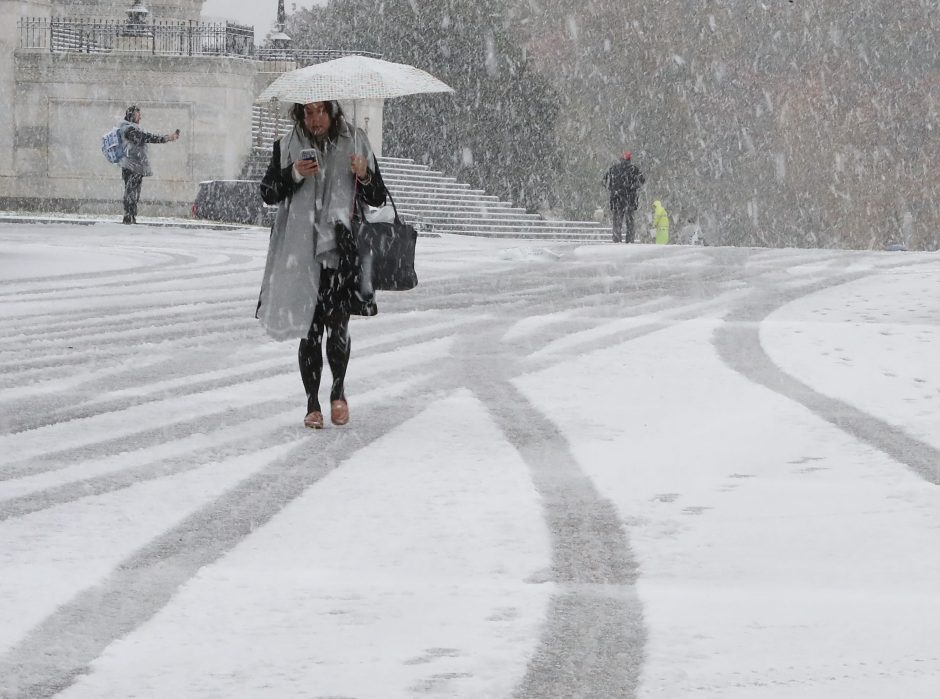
(10,14)
(368,116)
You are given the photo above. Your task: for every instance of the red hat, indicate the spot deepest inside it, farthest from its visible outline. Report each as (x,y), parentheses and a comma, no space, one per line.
(627,155)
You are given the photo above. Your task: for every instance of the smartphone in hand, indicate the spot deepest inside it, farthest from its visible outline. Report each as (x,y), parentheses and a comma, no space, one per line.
(310,154)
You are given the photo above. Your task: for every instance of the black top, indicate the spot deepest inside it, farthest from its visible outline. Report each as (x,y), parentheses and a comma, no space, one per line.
(278,183)
(624,180)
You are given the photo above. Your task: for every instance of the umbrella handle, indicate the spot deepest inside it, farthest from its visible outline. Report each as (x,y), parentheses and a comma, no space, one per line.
(355,201)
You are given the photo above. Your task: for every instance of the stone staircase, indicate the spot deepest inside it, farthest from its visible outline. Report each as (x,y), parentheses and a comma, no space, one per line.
(453,207)
(432,201)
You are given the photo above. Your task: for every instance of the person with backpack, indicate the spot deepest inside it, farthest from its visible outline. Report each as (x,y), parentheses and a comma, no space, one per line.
(134,162)
(623,180)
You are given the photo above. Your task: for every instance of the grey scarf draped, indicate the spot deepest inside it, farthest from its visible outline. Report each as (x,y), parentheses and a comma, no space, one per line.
(327,198)
(303,237)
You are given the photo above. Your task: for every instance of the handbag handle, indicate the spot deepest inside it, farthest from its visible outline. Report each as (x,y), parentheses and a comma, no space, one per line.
(394,208)
(357,204)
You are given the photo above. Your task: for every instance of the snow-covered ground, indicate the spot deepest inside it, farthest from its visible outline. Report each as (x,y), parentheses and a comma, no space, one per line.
(571,471)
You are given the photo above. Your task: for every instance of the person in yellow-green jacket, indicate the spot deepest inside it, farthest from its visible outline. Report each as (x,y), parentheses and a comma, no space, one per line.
(660,223)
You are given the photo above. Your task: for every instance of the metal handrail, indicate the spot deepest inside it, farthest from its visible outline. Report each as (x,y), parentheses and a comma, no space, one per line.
(162,37)
(308,56)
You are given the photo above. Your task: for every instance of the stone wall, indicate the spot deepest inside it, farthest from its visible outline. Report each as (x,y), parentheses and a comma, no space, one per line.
(65,102)
(56,107)
(10,14)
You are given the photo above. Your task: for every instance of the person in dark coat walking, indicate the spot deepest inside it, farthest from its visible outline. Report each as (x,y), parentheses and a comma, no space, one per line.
(312,280)
(623,180)
(135,164)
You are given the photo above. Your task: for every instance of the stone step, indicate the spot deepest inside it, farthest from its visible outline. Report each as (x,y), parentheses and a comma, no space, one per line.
(403,164)
(522,226)
(458,202)
(448,209)
(418,178)
(428,197)
(460,216)
(425,187)
(407,170)
(586,236)
(432,195)
(400,161)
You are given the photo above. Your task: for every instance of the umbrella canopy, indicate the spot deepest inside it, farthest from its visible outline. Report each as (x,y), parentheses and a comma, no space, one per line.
(351,78)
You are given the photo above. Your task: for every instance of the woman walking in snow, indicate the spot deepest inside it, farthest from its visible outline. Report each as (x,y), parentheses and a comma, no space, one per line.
(311,281)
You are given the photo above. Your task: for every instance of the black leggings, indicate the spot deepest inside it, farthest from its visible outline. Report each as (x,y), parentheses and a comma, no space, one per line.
(331,317)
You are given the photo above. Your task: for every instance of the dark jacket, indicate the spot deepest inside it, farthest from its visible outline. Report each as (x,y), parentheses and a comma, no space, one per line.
(623,181)
(278,183)
(135,148)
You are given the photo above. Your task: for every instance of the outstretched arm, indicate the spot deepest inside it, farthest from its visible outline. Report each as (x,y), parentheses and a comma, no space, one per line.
(140,137)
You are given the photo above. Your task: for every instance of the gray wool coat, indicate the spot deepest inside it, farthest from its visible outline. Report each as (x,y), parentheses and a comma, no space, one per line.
(309,212)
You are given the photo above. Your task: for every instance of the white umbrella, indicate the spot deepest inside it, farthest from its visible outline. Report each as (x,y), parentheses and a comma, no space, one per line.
(351,78)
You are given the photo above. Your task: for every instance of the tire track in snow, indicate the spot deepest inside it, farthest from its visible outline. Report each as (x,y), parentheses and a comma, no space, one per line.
(53,654)
(135,430)
(595,287)
(171,375)
(105,288)
(576,516)
(596,614)
(133,439)
(413,352)
(58,327)
(594,638)
(28,371)
(255,430)
(26,420)
(174,260)
(239,311)
(130,337)
(739,346)
(80,488)
(40,325)
(171,264)
(594,642)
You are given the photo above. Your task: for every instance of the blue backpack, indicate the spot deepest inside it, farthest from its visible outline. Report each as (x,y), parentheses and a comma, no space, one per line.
(112,145)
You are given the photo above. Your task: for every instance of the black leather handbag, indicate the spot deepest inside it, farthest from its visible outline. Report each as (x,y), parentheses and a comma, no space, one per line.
(387,252)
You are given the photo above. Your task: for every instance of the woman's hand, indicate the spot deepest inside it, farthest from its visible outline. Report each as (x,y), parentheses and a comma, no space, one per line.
(307,168)
(360,167)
